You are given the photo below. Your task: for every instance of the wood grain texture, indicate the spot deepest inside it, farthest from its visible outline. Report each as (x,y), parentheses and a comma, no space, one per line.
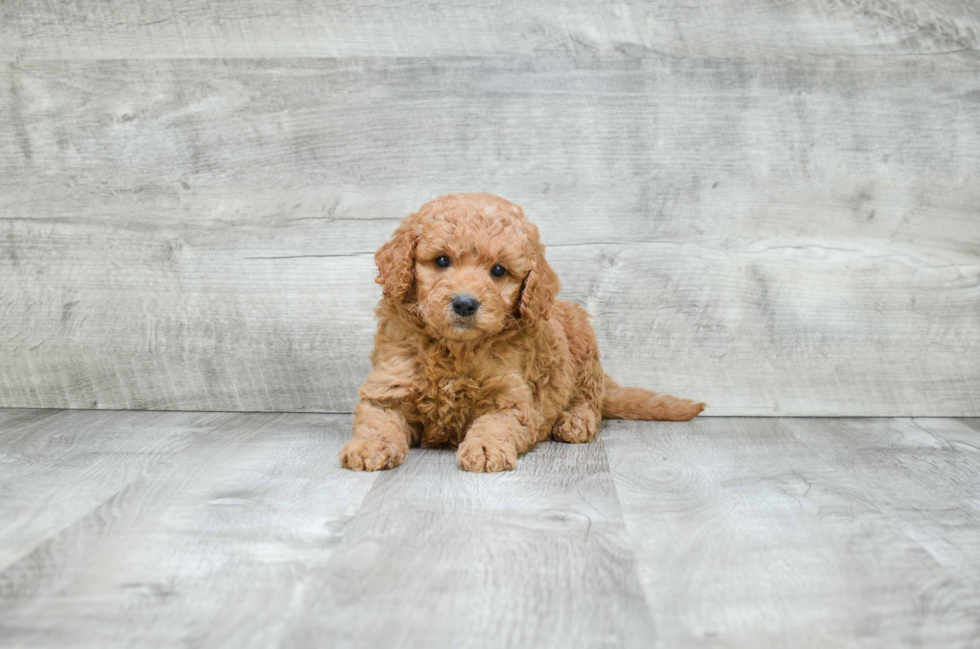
(925,473)
(748,537)
(438,557)
(215,547)
(796,238)
(241,530)
(90,29)
(58,466)
(253,536)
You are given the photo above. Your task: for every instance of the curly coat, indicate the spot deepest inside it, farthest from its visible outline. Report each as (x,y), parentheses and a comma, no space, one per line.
(524,366)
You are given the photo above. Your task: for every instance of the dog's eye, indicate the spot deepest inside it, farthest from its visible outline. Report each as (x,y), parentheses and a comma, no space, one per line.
(442,262)
(498,271)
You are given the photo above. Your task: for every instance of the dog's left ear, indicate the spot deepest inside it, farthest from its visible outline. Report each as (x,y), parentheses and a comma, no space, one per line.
(541,285)
(396,261)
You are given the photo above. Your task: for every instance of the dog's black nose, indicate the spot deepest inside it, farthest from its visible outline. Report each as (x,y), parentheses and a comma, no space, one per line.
(465,305)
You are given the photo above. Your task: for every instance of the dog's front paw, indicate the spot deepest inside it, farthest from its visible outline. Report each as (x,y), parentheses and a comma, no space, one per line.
(371,455)
(486,455)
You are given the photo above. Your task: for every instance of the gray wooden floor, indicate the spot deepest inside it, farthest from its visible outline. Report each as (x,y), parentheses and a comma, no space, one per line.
(158,529)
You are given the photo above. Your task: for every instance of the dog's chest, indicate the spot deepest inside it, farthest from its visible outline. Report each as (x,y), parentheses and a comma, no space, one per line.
(447,402)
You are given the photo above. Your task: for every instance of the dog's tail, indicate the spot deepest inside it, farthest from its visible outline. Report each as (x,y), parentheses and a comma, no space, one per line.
(636,403)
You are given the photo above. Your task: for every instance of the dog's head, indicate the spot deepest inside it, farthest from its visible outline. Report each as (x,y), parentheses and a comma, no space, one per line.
(468,266)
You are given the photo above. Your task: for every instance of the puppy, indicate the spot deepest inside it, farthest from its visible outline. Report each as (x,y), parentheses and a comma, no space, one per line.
(474,351)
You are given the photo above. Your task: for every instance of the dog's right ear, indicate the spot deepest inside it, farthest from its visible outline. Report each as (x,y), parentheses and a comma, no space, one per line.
(396,261)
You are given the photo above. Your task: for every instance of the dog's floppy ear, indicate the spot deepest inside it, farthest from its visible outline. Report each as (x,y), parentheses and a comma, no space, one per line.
(396,260)
(541,284)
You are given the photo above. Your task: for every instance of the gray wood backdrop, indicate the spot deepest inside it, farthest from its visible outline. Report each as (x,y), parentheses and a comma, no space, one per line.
(771,206)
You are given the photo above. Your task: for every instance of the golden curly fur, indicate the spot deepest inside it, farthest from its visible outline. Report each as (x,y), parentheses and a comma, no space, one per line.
(494,382)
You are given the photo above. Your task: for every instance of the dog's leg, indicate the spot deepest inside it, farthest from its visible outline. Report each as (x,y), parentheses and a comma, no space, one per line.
(381,439)
(579,423)
(494,440)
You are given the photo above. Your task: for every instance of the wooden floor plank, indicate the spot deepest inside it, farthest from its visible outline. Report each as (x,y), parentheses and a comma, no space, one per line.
(923,473)
(56,466)
(438,557)
(241,530)
(210,549)
(972,422)
(747,537)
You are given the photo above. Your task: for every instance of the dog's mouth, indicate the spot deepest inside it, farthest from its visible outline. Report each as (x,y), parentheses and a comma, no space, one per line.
(462,330)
